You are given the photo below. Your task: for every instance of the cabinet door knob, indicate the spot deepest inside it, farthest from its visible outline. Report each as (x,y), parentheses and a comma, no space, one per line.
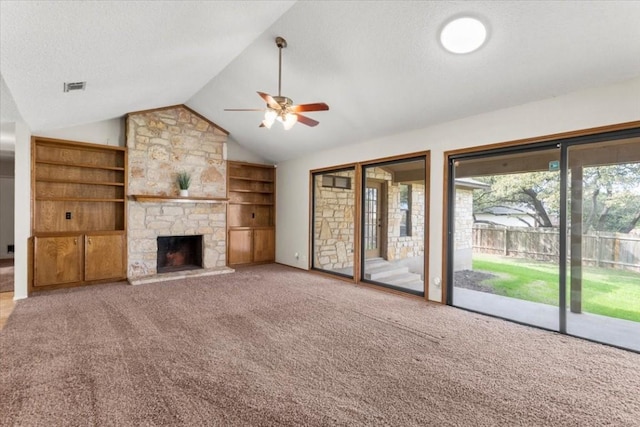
(89,240)
(75,241)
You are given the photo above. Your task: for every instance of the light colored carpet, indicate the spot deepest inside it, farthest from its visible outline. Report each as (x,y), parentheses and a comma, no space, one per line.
(271,345)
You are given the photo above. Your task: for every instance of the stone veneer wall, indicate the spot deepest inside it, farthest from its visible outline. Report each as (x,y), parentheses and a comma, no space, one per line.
(334,224)
(463,226)
(402,247)
(160,144)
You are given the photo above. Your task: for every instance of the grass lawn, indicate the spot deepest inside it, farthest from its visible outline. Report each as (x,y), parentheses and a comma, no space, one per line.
(606,292)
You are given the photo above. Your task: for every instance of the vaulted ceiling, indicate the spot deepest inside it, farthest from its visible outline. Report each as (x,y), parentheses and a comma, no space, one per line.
(378,64)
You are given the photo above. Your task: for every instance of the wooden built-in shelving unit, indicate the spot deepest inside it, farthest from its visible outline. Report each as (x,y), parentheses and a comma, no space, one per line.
(250,213)
(79,213)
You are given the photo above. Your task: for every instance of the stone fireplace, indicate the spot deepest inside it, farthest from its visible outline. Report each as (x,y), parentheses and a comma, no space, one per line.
(161,143)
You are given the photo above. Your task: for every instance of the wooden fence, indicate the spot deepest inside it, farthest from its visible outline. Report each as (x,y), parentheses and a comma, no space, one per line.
(612,250)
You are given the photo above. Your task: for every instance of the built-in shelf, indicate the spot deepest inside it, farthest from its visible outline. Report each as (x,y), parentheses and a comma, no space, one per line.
(79,214)
(149,198)
(245,178)
(238,190)
(79,181)
(76,199)
(252,203)
(251,213)
(80,165)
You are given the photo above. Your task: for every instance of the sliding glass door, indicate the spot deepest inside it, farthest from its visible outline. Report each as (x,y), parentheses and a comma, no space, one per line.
(393,224)
(368,222)
(549,235)
(505,242)
(603,235)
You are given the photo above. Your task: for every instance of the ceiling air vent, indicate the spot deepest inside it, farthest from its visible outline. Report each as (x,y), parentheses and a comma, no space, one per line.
(69,87)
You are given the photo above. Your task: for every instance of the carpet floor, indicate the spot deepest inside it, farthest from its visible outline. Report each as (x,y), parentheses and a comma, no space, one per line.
(272,345)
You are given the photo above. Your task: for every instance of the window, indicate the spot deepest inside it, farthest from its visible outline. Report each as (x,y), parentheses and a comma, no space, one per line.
(333,181)
(405,210)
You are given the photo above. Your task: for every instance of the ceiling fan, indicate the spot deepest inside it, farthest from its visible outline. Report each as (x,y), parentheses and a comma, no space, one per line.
(280,107)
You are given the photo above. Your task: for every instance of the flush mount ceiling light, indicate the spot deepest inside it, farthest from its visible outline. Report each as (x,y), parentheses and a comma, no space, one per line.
(463,35)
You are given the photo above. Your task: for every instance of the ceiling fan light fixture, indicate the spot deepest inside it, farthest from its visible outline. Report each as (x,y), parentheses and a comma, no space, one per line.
(280,107)
(463,35)
(290,119)
(270,116)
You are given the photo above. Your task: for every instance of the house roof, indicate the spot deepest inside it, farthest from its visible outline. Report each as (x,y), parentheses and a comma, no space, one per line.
(471,184)
(378,65)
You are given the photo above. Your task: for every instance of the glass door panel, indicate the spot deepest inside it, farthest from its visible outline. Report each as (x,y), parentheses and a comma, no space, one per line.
(504,211)
(334,221)
(603,264)
(393,224)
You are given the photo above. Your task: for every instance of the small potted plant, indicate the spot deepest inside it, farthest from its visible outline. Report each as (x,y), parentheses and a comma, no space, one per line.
(184,180)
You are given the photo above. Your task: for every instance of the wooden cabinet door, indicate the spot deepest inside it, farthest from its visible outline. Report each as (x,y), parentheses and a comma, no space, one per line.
(57,260)
(264,245)
(104,256)
(240,248)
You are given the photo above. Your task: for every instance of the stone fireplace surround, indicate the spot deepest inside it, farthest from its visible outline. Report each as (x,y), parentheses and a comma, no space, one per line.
(160,144)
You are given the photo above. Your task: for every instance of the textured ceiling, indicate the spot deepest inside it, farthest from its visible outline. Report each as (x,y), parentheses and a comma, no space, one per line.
(378,64)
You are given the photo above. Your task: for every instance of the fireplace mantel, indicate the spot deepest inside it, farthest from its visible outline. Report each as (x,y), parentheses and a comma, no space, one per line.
(150,198)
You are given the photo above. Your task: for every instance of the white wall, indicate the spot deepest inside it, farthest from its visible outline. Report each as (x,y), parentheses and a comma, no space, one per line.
(107,132)
(22,208)
(589,108)
(238,153)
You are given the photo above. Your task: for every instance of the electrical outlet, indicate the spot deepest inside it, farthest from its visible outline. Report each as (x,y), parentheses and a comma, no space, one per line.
(67,215)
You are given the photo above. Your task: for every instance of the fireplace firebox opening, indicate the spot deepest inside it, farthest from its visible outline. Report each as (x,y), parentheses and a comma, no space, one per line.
(179,253)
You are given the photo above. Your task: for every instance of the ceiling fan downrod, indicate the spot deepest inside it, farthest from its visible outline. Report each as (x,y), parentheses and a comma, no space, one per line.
(281,43)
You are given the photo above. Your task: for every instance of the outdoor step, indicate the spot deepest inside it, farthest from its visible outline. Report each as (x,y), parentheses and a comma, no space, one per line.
(376,262)
(384,271)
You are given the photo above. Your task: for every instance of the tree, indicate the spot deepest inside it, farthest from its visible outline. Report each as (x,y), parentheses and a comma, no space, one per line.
(535,193)
(611,199)
(611,196)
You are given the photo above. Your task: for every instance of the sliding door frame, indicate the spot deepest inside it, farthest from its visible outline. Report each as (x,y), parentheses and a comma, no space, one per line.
(358,217)
(562,141)
(356,220)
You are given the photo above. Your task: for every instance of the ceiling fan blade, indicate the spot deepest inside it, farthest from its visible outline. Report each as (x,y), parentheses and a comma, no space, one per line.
(244,109)
(270,101)
(306,120)
(318,106)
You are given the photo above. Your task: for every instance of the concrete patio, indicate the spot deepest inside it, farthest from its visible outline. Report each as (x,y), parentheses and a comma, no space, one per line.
(608,330)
